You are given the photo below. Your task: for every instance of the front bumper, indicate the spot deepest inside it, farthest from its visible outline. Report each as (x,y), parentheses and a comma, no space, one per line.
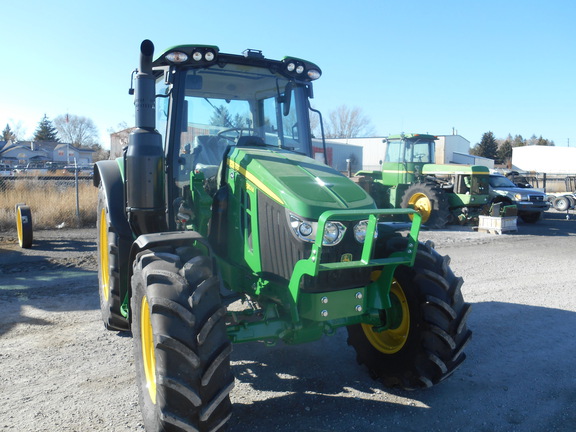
(532,207)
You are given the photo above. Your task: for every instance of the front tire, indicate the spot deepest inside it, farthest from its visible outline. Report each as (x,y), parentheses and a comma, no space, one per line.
(426,345)
(181,349)
(430,202)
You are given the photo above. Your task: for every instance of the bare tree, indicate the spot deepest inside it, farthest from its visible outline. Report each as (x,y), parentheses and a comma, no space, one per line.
(76,130)
(345,122)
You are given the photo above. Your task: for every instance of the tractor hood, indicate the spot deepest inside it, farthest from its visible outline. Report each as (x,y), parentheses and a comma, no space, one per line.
(297,182)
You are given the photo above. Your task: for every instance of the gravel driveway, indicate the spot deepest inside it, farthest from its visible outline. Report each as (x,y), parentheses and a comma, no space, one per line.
(61,371)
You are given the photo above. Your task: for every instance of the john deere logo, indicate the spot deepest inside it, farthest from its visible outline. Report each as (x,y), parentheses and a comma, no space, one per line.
(347,257)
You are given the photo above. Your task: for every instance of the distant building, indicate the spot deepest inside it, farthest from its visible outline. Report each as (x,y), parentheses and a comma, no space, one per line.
(25,152)
(544,159)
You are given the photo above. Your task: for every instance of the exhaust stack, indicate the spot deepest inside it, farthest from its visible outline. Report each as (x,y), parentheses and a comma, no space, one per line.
(144,158)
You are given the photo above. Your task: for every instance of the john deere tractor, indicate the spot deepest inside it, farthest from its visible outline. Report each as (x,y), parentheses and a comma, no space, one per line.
(409,178)
(218,226)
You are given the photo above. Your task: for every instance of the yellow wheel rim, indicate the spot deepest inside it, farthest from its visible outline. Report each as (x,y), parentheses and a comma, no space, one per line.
(391,341)
(19,227)
(148,355)
(104,265)
(422,205)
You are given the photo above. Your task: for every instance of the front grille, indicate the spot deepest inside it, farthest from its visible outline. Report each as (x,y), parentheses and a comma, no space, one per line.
(280,250)
(536,198)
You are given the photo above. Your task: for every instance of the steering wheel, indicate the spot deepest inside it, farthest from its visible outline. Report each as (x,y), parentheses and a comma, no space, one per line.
(237,130)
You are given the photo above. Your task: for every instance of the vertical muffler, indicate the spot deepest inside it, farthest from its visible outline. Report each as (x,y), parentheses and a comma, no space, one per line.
(144,158)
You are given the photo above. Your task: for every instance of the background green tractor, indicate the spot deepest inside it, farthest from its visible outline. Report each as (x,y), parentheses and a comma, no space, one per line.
(219,227)
(409,179)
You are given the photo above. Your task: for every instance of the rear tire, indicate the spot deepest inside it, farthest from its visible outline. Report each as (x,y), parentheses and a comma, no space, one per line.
(108,268)
(427,345)
(181,348)
(24,226)
(562,203)
(430,202)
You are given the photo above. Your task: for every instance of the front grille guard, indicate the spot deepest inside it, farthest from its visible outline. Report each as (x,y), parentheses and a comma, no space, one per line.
(312,265)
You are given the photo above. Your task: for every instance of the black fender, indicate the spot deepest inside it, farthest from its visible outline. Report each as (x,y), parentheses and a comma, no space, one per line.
(173,239)
(107,173)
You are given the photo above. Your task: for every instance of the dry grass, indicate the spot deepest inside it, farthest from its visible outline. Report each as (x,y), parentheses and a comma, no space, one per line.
(50,205)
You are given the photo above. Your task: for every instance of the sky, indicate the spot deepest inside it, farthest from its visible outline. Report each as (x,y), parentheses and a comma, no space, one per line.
(413,66)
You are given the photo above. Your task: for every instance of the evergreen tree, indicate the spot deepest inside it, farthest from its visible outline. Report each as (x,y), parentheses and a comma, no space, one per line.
(544,141)
(46,131)
(504,154)
(487,147)
(7,134)
(518,141)
(221,117)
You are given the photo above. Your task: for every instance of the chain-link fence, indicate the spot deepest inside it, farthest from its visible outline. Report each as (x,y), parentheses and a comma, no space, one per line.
(56,201)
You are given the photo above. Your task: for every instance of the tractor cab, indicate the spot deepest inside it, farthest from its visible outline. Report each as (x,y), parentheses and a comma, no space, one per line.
(211,103)
(405,156)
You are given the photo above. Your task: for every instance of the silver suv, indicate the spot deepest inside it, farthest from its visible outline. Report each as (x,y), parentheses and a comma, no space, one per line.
(531,203)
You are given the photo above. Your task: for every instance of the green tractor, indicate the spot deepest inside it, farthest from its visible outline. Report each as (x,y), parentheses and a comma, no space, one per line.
(218,226)
(409,178)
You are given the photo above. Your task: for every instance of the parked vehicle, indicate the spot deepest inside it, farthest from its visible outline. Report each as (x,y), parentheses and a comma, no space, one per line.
(84,170)
(410,179)
(226,202)
(530,202)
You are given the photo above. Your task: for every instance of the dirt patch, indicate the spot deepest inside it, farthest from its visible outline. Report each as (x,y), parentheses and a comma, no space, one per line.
(61,371)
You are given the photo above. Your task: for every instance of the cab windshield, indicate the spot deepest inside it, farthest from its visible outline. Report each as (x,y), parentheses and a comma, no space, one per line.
(501,182)
(409,151)
(234,105)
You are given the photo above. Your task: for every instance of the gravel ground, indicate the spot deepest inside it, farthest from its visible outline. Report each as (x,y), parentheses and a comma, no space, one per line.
(61,371)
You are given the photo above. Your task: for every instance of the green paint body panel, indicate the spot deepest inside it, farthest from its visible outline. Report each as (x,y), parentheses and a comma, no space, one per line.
(302,184)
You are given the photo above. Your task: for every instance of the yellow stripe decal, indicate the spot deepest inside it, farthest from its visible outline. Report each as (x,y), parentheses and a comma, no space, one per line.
(251,177)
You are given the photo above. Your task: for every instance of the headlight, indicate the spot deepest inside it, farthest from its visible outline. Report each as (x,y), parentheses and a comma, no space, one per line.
(520,197)
(306,230)
(360,231)
(331,233)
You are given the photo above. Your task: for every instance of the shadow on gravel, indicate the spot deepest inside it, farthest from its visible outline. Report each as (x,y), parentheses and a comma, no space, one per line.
(37,278)
(56,291)
(519,375)
(552,224)
(64,245)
